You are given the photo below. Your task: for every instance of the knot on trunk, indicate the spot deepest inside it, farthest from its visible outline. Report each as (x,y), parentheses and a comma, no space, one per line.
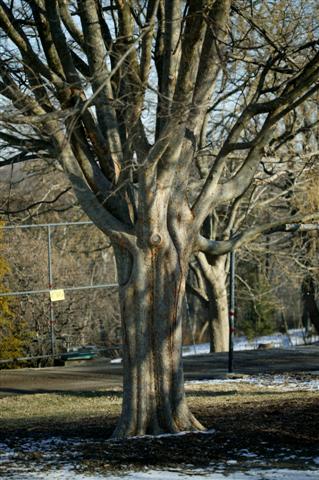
(155,239)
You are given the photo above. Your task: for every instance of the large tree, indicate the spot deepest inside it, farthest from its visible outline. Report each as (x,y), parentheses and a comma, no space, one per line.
(118,92)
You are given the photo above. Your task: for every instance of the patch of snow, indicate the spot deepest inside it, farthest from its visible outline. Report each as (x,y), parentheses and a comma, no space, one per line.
(6,453)
(64,473)
(281,382)
(295,337)
(254,474)
(116,360)
(165,435)
(247,454)
(56,462)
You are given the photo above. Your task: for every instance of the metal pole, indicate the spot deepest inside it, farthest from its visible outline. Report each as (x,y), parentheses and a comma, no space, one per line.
(50,287)
(231,310)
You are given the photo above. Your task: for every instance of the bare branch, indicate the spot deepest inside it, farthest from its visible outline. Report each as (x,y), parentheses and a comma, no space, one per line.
(35,204)
(287,224)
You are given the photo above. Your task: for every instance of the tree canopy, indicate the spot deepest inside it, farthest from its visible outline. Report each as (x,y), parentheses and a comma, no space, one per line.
(120,92)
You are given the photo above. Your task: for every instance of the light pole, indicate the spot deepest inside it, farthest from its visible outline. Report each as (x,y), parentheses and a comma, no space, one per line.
(52,333)
(231,309)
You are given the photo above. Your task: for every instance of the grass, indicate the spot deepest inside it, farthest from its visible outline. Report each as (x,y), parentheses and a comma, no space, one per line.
(100,409)
(58,412)
(242,416)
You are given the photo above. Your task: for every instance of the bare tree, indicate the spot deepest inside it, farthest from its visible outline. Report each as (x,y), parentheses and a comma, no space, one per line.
(119,93)
(288,169)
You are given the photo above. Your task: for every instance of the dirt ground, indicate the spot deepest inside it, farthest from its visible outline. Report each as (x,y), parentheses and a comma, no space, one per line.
(276,424)
(237,415)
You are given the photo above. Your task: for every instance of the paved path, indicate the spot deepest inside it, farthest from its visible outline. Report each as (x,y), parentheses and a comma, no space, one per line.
(100,374)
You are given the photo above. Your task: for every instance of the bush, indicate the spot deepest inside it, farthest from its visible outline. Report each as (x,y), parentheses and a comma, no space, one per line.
(14,337)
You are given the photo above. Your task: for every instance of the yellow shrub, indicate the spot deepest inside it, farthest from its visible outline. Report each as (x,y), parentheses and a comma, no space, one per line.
(14,337)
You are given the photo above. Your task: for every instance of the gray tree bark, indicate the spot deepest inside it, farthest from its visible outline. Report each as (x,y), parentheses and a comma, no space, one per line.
(215,278)
(152,289)
(218,316)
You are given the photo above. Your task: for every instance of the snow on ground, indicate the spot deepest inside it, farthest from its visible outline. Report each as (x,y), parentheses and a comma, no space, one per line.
(231,470)
(293,338)
(17,464)
(268,474)
(116,360)
(281,382)
(55,458)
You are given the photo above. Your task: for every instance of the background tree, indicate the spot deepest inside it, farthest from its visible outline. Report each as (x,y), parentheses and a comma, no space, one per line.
(279,160)
(118,92)
(288,169)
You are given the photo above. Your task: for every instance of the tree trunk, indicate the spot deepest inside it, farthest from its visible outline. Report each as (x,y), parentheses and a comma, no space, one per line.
(152,289)
(214,271)
(218,310)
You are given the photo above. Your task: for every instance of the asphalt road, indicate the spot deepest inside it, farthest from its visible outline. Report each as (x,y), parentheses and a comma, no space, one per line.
(100,374)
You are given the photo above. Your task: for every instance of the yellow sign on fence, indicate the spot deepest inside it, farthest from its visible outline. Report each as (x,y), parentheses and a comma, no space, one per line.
(57,295)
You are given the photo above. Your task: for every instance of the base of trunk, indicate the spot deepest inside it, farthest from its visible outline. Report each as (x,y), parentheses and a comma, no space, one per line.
(153,383)
(159,423)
